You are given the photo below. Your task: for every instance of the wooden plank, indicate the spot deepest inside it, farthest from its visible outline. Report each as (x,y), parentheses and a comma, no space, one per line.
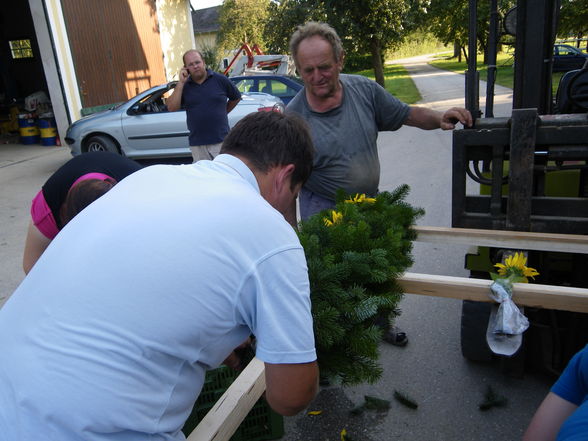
(524,294)
(221,422)
(520,240)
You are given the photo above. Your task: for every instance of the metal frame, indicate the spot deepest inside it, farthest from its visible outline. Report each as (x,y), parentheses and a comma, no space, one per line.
(533,146)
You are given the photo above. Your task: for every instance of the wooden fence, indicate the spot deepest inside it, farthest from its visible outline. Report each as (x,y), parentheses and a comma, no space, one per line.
(228,412)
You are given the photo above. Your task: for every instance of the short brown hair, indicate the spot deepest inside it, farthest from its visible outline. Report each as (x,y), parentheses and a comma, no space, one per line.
(192,50)
(270,139)
(314,28)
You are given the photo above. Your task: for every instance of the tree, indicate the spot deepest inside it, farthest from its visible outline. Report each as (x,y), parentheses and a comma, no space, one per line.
(242,21)
(373,26)
(365,26)
(448,20)
(573,18)
(283,18)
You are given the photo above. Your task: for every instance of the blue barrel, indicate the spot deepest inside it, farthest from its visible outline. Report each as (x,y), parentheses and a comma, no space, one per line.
(48,130)
(29,132)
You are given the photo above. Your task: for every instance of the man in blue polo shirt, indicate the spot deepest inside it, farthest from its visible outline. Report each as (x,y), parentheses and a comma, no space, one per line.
(207,97)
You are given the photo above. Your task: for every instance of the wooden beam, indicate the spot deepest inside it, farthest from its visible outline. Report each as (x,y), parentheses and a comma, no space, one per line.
(524,294)
(519,240)
(221,422)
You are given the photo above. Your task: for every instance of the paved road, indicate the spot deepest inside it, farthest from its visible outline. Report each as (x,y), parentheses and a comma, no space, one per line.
(430,369)
(23,170)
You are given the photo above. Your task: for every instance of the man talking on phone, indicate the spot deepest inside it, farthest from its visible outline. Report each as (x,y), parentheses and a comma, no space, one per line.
(207,97)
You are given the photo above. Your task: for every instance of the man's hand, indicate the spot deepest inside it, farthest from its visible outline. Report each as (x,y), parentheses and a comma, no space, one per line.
(183,75)
(454,115)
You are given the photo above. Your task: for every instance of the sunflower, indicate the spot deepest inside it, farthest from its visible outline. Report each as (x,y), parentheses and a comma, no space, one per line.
(514,267)
(359,198)
(335,218)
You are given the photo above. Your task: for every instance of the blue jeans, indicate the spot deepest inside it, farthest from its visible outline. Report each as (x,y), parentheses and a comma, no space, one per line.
(311,203)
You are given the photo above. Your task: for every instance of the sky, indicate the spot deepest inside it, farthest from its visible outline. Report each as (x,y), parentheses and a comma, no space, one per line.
(201,4)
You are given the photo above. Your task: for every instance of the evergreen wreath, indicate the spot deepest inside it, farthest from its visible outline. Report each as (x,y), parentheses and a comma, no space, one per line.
(355,254)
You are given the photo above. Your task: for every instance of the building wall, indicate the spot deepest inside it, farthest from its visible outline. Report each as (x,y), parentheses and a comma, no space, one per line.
(96,53)
(205,40)
(175,24)
(57,62)
(116,48)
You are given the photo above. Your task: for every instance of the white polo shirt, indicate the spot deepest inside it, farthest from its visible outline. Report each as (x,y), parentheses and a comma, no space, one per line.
(110,334)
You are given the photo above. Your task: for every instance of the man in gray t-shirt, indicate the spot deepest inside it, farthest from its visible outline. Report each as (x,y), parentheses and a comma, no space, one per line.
(345,136)
(345,114)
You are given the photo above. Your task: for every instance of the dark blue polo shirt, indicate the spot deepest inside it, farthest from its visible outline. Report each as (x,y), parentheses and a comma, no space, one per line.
(206,108)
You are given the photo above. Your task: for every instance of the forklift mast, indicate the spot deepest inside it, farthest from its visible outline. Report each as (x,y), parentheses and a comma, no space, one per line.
(536,27)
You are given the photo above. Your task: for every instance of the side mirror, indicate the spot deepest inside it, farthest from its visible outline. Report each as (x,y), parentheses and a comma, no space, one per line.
(134,110)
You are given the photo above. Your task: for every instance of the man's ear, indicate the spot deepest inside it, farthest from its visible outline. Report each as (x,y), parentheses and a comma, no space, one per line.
(282,177)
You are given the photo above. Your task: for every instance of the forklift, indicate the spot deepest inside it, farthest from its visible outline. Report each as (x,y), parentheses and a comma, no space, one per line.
(532,169)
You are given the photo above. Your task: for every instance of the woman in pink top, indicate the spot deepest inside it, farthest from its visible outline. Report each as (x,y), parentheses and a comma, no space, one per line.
(68,191)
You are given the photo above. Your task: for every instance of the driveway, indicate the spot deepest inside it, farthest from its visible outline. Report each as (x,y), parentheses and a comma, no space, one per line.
(23,170)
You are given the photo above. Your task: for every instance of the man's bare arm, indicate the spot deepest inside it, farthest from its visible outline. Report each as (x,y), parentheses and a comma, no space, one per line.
(429,119)
(548,419)
(290,387)
(36,243)
(174,102)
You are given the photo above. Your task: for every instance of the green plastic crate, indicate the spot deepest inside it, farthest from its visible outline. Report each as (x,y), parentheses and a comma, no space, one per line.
(260,424)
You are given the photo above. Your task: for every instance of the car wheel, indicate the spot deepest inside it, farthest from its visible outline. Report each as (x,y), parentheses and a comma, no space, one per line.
(101,143)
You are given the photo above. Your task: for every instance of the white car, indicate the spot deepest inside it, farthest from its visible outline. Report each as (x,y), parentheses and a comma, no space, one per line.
(143,127)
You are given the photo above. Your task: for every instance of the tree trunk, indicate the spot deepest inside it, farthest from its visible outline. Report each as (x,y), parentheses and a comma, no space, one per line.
(484,48)
(377,62)
(465,54)
(456,50)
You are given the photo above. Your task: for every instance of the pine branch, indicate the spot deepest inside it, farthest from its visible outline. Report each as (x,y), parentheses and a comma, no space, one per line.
(492,399)
(405,400)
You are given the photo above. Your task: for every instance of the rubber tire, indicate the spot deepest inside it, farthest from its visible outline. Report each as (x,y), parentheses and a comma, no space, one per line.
(100,143)
(474,322)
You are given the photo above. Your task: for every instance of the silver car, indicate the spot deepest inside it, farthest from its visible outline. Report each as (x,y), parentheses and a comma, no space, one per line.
(143,127)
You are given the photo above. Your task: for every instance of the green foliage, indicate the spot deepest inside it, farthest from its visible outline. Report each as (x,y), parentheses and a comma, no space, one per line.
(398,82)
(358,62)
(353,266)
(573,18)
(242,21)
(504,65)
(504,72)
(210,55)
(448,20)
(374,26)
(283,18)
(418,43)
(365,26)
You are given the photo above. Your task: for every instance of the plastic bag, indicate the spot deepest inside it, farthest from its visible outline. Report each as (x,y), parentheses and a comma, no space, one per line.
(507,322)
